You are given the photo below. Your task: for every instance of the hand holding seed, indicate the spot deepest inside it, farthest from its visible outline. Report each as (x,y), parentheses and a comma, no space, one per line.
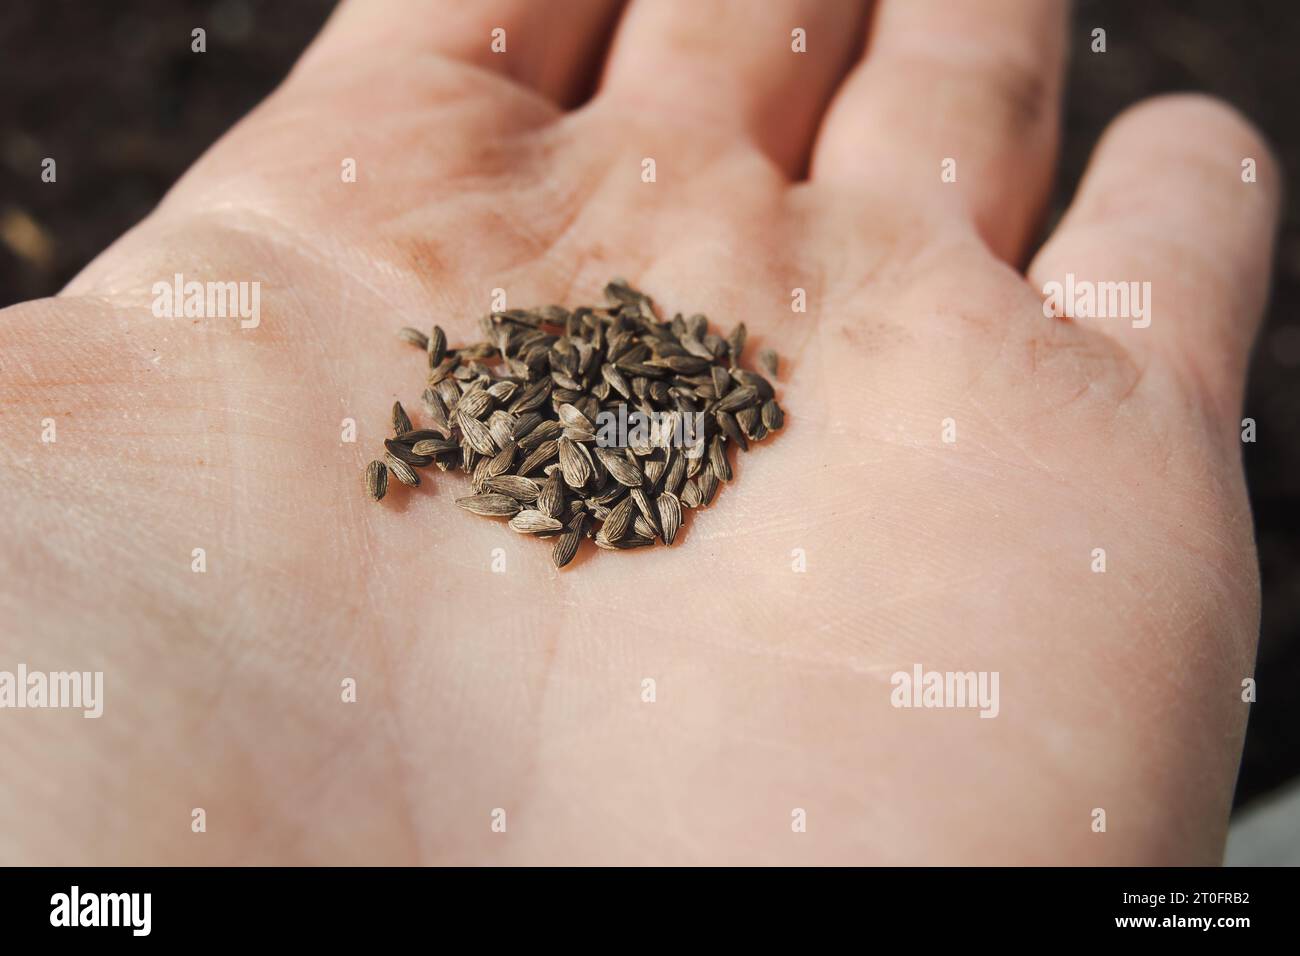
(953,461)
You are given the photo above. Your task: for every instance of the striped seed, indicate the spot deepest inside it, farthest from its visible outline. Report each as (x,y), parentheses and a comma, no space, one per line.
(376,480)
(620,469)
(414,337)
(521,489)
(538,457)
(491,505)
(575,463)
(551,498)
(773,416)
(477,434)
(670,516)
(566,545)
(534,522)
(401,470)
(401,421)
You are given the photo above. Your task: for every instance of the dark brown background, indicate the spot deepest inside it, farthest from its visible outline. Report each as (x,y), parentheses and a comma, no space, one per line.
(112,91)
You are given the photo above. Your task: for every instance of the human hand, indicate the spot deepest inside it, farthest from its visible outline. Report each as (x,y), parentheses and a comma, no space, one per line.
(523,690)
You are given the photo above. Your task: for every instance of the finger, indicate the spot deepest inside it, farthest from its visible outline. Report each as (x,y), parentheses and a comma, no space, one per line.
(977,84)
(1167,215)
(553,47)
(762,70)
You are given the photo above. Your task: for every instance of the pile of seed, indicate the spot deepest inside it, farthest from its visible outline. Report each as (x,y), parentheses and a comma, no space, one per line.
(518,413)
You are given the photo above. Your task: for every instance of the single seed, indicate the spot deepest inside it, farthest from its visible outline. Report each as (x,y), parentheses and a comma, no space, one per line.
(727,422)
(675,475)
(574,462)
(768,359)
(670,516)
(534,522)
(620,469)
(718,463)
(738,398)
(551,498)
(401,422)
(376,480)
(566,545)
(721,381)
(473,404)
(401,470)
(407,454)
(492,505)
(736,342)
(708,487)
(773,417)
(521,489)
(414,337)
(690,494)
(477,434)
(645,506)
(539,456)
(434,446)
(437,346)
(619,520)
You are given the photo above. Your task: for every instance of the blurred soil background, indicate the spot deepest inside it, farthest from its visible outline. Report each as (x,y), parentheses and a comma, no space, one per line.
(112,91)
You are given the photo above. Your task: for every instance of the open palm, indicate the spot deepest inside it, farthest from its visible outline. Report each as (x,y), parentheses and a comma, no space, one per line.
(952,463)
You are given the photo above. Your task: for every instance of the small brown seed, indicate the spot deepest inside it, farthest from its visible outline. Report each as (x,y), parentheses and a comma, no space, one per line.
(436,344)
(670,516)
(718,463)
(534,522)
(574,462)
(619,521)
(676,473)
(401,421)
(566,545)
(539,456)
(401,470)
(543,432)
(491,505)
(738,398)
(690,496)
(435,446)
(708,487)
(414,337)
(645,506)
(521,489)
(736,342)
(376,480)
(477,434)
(501,463)
(768,359)
(473,404)
(436,411)
(407,454)
(773,416)
(727,422)
(551,499)
(721,381)
(620,469)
